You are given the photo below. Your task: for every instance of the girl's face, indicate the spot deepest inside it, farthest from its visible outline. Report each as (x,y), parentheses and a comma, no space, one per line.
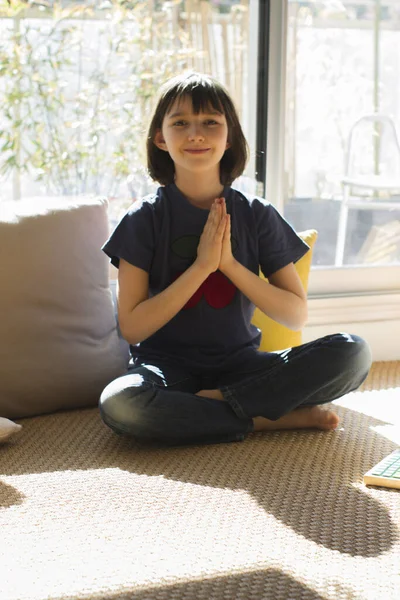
(196,143)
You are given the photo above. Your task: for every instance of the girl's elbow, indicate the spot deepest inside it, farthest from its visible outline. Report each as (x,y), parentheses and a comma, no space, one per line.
(299,318)
(128,337)
(128,333)
(302,318)
(298,326)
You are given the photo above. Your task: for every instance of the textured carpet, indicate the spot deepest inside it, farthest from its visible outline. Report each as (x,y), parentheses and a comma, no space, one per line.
(85,514)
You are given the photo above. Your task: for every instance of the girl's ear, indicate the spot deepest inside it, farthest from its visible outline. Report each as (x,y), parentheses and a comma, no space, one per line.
(159,140)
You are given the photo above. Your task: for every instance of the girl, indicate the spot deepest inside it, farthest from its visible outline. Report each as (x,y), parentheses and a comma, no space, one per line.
(189,258)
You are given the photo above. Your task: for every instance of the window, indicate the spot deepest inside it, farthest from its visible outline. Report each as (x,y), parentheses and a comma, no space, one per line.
(330,64)
(77,82)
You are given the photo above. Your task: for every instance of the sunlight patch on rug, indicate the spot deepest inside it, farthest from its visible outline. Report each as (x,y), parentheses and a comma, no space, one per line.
(110,529)
(380,404)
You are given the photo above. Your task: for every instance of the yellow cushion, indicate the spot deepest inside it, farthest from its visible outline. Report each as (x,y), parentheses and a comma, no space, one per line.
(273,335)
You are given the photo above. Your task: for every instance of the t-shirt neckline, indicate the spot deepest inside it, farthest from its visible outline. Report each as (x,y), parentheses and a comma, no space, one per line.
(176,191)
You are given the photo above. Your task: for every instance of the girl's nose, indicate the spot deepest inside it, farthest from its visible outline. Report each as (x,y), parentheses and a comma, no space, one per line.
(195,133)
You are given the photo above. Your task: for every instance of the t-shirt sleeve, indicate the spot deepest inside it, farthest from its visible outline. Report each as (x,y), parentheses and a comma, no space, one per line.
(133,238)
(278,243)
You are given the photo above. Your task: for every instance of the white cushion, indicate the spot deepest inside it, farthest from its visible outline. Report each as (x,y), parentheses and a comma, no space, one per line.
(59,345)
(7,429)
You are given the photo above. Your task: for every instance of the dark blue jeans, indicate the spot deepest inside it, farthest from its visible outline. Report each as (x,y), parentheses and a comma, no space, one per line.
(156,402)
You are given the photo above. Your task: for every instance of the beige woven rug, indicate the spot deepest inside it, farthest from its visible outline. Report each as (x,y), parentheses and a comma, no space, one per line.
(87,514)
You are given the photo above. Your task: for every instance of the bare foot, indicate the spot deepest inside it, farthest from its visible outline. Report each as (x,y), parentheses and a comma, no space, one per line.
(216,394)
(313,417)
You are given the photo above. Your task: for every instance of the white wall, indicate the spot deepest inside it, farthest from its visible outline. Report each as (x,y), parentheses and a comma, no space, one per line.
(376,318)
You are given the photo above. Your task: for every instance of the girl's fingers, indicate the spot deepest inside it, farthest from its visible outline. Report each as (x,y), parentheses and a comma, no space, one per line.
(223,204)
(215,223)
(221,210)
(214,215)
(227,230)
(221,228)
(224,214)
(211,217)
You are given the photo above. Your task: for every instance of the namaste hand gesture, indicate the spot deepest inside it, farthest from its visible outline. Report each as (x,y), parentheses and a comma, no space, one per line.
(214,250)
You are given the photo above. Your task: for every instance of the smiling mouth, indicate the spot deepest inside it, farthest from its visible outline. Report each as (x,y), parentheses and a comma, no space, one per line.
(197,151)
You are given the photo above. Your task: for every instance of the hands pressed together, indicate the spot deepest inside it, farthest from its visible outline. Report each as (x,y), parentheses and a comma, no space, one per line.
(214,250)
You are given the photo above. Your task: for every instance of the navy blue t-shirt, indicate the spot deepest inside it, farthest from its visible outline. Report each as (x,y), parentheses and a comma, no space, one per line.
(160,234)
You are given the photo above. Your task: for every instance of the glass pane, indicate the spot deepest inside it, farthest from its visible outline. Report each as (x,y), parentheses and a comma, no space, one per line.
(342,174)
(77,85)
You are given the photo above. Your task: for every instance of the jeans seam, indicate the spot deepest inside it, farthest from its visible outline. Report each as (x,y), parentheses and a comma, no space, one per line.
(230,396)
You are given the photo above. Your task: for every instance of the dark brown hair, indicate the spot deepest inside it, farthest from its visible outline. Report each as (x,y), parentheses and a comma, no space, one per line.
(205,92)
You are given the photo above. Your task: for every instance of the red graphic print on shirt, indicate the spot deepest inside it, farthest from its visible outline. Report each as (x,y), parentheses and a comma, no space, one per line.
(216,289)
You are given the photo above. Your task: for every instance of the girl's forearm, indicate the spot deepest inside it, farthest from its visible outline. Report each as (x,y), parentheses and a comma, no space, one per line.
(152,314)
(280,305)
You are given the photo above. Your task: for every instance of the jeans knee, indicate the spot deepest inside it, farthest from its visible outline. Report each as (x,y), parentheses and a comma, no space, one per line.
(357,357)
(123,404)
(362,355)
